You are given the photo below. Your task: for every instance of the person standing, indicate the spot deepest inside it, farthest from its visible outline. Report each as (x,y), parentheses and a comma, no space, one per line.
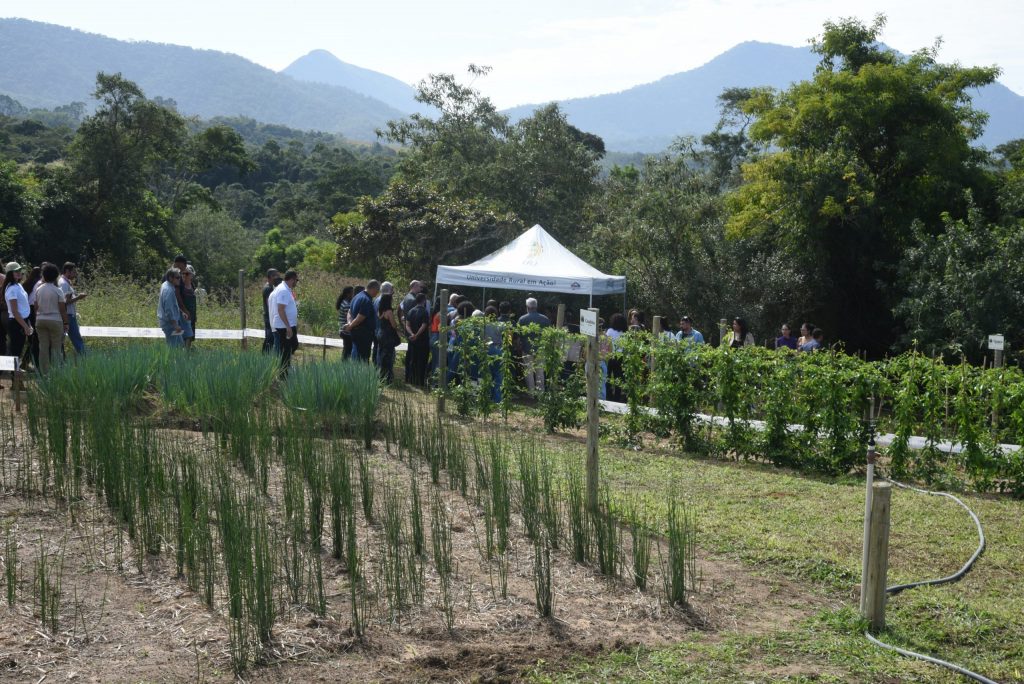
(534,369)
(388,338)
(51,318)
(417,324)
(363,325)
(404,307)
(740,335)
(786,339)
(385,288)
(31,284)
(3,315)
(687,333)
(168,313)
(805,334)
(18,327)
(273,280)
(66,283)
(181,263)
(816,342)
(284,318)
(343,305)
(188,296)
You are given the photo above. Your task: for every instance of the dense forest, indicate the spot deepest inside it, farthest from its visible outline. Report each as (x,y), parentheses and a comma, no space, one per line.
(854,199)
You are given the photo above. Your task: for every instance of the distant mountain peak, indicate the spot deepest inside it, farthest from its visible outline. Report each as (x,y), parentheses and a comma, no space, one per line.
(648,117)
(323,66)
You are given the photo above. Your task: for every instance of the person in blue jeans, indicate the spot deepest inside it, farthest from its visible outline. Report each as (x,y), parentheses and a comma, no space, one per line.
(168,313)
(66,283)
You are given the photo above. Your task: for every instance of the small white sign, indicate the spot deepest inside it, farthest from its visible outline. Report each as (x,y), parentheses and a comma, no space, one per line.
(995,342)
(588,322)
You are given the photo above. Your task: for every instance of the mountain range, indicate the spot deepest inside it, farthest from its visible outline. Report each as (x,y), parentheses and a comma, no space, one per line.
(44,65)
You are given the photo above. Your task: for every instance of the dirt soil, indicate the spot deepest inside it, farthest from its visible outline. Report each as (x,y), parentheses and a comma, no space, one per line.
(125,619)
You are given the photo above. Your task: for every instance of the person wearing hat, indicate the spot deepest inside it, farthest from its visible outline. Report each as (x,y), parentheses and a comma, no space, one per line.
(273,280)
(168,313)
(18,327)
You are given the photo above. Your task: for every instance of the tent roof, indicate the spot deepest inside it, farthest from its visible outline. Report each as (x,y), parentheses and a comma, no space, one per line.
(533,261)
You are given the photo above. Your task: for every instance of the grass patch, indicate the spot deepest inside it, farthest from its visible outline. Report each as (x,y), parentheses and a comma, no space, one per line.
(809,529)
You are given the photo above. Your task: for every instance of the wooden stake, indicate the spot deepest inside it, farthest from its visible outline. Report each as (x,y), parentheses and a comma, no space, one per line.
(873,596)
(241,305)
(442,350)
(593,419)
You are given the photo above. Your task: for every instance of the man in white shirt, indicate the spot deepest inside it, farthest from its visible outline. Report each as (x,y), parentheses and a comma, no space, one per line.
(66,283)
(284,317)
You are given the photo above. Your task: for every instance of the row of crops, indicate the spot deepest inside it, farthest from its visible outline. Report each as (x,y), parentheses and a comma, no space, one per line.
(837,398)
(260,491)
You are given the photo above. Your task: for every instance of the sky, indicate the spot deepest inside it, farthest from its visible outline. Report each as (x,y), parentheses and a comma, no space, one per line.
(540,50)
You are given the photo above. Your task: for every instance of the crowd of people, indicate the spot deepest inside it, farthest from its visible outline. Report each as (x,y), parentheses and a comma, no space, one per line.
(39,310)
(372,326)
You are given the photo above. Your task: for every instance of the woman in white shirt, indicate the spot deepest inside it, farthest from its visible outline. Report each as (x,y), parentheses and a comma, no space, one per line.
(18,327)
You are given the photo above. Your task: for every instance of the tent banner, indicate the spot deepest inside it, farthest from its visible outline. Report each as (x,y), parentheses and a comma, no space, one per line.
(456,275)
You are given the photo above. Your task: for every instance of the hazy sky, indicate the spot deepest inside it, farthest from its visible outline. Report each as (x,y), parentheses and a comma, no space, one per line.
(540,49)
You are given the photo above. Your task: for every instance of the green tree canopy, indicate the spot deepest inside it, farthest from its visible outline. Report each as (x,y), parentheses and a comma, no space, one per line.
(540,168)
(872,142)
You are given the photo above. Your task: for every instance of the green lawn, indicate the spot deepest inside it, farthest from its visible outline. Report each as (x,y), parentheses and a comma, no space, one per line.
(800,527)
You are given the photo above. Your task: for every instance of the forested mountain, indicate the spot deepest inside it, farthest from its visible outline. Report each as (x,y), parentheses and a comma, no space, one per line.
(320,66)
(43,65)
(646,118)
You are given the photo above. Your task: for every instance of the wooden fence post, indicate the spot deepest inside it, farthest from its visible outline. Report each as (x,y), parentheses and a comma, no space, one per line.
(873,596)
(442,351)
(593,415)
(241,305)
(655,336)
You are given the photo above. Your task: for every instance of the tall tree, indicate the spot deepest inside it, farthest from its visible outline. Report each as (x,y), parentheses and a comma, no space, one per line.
(542,169)
(118,156)
(872,142)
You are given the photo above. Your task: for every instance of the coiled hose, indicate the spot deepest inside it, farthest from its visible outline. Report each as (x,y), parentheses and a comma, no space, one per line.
(955,577)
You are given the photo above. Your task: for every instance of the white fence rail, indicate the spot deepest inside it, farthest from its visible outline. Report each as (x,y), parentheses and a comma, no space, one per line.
(208,334)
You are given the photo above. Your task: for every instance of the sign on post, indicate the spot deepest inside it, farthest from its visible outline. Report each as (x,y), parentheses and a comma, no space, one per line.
(995,342)
(588,322)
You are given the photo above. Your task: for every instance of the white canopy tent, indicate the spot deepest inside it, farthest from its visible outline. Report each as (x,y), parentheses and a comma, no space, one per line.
(534,262)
